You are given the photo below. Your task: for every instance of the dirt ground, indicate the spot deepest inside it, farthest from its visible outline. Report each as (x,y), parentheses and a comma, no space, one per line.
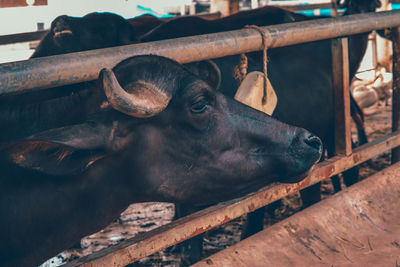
(140,218)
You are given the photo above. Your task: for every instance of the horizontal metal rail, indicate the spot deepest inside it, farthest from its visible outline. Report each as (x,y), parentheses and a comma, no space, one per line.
(37,35)
(302,7)
(22,37)
(84,66)
(177,231)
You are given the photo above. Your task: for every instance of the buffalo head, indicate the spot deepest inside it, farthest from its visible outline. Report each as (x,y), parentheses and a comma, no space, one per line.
(168,136)
(93,31)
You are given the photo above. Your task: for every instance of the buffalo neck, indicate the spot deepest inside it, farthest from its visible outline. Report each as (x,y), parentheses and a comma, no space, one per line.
(77,205)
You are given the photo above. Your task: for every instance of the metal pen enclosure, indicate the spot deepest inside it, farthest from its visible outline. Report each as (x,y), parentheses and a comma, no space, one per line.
(36,74)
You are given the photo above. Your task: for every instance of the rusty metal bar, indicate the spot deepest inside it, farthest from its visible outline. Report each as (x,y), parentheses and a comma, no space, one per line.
(302,7)
(84,66)
(341,82)
(396,88)
(22,37)
(210,16)
(177,231)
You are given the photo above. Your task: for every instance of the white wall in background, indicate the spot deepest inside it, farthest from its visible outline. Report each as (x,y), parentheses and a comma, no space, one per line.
(24,19)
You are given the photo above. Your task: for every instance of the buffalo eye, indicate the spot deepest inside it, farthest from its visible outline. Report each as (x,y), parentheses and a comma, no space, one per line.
(199,105)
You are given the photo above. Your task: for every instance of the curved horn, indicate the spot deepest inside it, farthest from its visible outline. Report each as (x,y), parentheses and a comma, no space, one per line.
(141,99)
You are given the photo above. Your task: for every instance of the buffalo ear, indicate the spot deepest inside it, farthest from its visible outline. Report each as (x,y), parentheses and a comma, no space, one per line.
(59,152)
(208,71)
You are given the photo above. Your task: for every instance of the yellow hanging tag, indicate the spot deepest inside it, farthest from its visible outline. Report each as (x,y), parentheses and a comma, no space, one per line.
(251,92)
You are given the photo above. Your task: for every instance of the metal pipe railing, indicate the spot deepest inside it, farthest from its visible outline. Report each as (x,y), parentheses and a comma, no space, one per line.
(22,37)
(84,66)
(298,7)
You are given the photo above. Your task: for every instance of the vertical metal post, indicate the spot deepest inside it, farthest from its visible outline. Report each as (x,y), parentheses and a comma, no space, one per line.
(254,4)
(374,50)
(341,83)
(383,45)
(340,74)
(226,7)
(396,89)
(334,11)
(233,6)
(192,9)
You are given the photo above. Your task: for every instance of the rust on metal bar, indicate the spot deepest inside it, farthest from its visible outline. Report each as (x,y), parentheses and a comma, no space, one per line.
(341,82)
(396,88)
(84,66)
(302,7)
(177,231)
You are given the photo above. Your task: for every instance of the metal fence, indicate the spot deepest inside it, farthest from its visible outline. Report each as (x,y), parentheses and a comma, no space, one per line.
(36,74)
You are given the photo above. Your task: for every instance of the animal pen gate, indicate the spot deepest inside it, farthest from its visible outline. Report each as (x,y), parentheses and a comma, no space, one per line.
(60,70)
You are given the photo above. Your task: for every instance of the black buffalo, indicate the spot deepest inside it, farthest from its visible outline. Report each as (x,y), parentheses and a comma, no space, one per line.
(318,115)
(301,76)
(144,23)
(94,31)
(159,133)
(309,66)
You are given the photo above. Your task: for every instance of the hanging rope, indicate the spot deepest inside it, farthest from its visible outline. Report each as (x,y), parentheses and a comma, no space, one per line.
(240,71)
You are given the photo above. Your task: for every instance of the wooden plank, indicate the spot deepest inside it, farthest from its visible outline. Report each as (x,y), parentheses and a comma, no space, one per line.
(177,231)
(396,88)
(340,76)
(356,227)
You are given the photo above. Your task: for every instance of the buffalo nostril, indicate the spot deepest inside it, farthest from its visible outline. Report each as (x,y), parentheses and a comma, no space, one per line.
(313,141)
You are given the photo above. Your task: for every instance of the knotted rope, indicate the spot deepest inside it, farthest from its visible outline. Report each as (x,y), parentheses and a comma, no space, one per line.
(240,71)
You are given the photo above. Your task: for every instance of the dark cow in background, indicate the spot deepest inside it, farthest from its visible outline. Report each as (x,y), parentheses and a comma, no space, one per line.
(93,31)
(159,133)
(144,23)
